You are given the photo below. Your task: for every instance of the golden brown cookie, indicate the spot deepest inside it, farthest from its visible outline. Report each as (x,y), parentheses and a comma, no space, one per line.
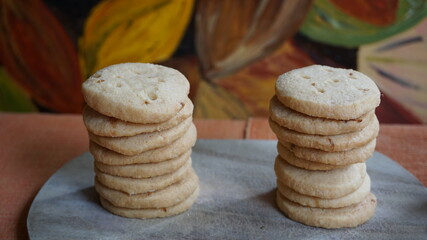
(327,92)
(350,216)
(137,92)
(142,185)
(309,201)
(145,170)
(303,123)
(142,142)
(172,150)
(169,196)
(152,212)
(105,126)
(334,143)
(351,156)
(330,184)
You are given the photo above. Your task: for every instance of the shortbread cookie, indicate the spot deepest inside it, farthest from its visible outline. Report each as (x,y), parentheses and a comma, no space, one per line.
(350,216)
(137,92)
(152,212)
(172,150)
(169,196)
(303,123)
(142,185)
(142,142)
(334,143)
(308,201)
(334,183)
(351,156)
(290,158)
(326,92)
(105,126)
(145,170)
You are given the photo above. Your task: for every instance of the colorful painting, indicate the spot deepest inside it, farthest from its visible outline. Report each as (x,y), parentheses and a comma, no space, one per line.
(231,51)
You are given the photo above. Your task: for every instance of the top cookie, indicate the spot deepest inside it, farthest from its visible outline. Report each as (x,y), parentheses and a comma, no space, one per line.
(137,92)
(322,91)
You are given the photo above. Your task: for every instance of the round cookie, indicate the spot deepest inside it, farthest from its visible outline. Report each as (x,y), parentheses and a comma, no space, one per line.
(169,196)
(142,142)
(142,185)
(350,199)
(172,150)
(289,157)
(144,213)
(334,143)
(350,216)
(330,184)
(351,156)
(327,92)
(303,123)
(105,126)
(145,170)
(137,92)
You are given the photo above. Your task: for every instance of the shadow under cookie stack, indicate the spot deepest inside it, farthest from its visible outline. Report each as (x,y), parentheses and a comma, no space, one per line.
(139,120)
(324,119)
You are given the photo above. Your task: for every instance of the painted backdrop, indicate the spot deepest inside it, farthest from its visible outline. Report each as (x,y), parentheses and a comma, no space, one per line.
(231,51)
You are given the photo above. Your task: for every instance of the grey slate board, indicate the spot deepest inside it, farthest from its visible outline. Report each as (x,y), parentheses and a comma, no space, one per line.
(236,202)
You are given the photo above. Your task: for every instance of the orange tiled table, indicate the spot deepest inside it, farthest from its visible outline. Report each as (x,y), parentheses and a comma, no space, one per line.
(34,146)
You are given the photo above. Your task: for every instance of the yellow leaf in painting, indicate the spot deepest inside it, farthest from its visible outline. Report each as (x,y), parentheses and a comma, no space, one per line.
(213,101)
(133,31)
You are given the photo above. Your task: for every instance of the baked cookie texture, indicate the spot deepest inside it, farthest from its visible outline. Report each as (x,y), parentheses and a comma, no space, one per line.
(172,150)
(137,92)
(309,201)
(348,216)
(341,158)
(132,185)
(324,119)
(142,142)
(139,121)
(144,213)
(331,143)
(327,92)
(105,126)
(303,123)
(323,184)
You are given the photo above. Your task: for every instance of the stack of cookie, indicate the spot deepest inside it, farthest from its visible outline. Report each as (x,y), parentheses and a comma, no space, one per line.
(139,119)
(325,121)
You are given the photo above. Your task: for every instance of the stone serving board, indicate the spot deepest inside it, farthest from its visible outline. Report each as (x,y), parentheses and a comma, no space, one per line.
(237,201)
